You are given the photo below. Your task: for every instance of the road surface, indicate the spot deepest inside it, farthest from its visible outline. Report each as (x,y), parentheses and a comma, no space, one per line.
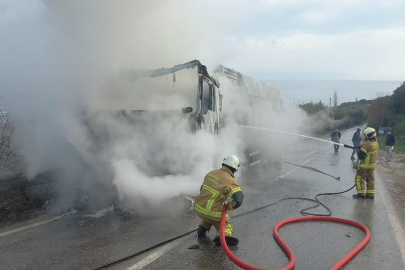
(75,242)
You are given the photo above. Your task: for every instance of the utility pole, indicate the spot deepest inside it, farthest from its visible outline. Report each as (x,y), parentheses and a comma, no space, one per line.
(330,102)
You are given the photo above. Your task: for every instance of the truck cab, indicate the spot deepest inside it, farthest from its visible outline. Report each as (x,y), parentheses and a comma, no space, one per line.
(186,88)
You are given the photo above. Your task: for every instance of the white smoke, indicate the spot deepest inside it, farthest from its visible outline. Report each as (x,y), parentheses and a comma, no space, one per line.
(61,69)
(61,75)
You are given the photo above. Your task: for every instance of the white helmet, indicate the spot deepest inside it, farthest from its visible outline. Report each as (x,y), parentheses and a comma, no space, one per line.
(369,132)
(232,161)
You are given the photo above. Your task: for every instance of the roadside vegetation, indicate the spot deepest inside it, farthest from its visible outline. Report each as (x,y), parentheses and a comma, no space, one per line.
(346,115)
(389,111)
(20,199)
(11,162)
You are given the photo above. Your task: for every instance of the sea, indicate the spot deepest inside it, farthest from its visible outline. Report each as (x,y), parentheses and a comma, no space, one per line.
(299,91)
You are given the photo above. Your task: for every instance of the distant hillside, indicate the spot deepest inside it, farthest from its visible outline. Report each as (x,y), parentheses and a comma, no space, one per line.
(356,103)
(389,111)
(345,116)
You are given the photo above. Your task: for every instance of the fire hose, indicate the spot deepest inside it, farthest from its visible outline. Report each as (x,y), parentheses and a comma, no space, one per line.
(307,216)
(316,216)
(287,249)
(312,169)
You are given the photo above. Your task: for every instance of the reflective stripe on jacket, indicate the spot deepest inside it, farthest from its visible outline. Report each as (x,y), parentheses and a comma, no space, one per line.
(371,151)
(217,187)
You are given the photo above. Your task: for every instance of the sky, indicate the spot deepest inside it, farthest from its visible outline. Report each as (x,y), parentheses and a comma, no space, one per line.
(316,39)
(276,41)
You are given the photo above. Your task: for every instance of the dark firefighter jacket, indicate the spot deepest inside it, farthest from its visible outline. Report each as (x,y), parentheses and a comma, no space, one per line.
(356,139)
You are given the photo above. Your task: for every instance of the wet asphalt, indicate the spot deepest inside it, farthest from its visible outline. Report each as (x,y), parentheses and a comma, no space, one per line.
(74,242)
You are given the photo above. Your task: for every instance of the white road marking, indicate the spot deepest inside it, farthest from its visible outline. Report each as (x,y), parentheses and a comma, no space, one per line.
(395,223)
(157,254)
(30,226)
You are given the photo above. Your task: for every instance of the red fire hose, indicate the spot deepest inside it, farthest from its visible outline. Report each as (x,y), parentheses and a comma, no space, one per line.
(289,252)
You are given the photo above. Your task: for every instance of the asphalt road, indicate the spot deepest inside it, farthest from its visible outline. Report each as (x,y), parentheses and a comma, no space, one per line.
(74,242)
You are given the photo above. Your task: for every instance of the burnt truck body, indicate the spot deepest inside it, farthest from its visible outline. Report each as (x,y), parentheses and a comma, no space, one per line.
(188,91)
(260,100)
(200,98)
(187,87)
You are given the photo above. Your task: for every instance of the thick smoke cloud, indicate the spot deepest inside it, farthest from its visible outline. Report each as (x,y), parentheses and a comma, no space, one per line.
(62,77)
(61,72)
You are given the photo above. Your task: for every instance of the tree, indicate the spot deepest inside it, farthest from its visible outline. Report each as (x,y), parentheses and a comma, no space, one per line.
(378,111)
(335,100)
(397,100)
(10,161)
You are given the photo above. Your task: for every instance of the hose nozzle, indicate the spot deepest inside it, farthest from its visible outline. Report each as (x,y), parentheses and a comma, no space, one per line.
(351,147)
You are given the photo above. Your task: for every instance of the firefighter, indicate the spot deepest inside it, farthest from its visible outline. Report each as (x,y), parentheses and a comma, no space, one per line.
(356,140)
(368,161)
(218,188)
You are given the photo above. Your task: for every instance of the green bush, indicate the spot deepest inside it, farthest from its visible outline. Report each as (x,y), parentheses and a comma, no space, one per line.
(397,105)
(400,126)
(399,132)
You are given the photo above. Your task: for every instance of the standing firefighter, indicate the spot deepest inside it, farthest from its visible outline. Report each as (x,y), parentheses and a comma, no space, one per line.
(335,137)
(356,140)
(219,187)
(368,161)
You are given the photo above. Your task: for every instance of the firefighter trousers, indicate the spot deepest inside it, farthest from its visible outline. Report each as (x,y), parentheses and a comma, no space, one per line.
(208,223)
(365,178)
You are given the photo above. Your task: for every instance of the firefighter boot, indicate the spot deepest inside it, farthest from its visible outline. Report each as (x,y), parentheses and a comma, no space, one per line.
(358,196)
(230,241)
(201,231)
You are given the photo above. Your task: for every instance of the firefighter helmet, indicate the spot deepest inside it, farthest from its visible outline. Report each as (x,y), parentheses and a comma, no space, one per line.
(369,133)
(232,161)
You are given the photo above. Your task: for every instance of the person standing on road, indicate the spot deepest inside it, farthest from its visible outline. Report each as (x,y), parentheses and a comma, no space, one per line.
(368,162)
(335,137)
(218,188)
(389,144)
(356,140)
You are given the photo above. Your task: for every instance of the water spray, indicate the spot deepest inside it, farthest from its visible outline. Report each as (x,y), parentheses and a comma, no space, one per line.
(300,135)
(304,136)
(294,134)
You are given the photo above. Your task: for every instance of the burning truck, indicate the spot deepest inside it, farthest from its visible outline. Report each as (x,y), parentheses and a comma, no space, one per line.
(151,117)
(188,92)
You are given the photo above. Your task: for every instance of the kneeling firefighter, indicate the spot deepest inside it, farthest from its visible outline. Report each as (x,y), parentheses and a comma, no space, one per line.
(368,161)
(218,188)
